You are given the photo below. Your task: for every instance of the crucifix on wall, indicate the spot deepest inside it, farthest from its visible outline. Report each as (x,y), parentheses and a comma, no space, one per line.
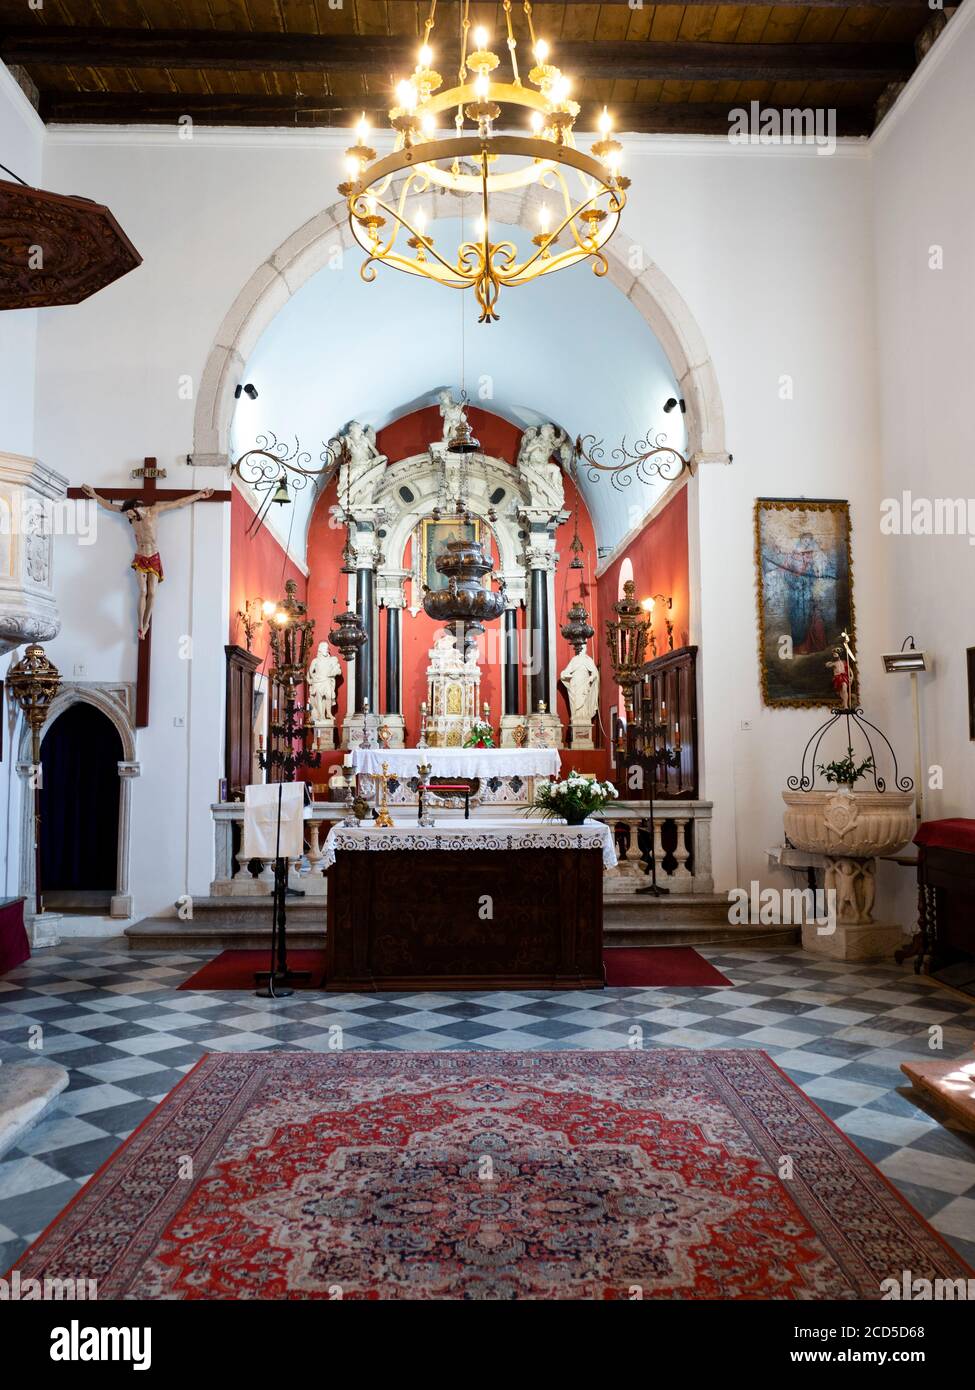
(141,507)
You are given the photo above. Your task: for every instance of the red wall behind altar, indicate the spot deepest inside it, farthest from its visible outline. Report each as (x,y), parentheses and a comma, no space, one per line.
(259,568)
(659,558)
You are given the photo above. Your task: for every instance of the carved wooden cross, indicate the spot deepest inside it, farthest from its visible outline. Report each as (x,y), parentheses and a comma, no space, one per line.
(147,493)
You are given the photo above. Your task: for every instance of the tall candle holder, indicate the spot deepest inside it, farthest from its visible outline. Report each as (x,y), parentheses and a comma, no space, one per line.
(422,740)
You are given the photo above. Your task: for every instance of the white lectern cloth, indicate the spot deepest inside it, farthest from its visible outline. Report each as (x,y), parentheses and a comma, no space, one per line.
(260,839)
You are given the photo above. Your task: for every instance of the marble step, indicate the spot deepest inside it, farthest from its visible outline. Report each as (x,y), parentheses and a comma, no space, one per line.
(951,1084)
(166,933)
(28,1090)
(641,907)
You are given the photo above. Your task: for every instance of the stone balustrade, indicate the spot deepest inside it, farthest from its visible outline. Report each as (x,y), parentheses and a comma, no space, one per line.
(681,844)
(235,877)
(681,836)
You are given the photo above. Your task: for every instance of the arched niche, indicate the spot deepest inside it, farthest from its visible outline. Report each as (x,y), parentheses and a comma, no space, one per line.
(116,702)
(309,250)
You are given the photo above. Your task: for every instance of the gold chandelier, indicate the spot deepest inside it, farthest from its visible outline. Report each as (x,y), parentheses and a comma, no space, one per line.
(581,195)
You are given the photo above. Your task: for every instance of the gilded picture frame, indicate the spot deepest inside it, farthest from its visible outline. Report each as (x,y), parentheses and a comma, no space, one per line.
(804,576)
(434,535)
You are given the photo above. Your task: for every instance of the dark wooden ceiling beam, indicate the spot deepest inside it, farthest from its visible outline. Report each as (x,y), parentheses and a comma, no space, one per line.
(380,54)
(140,108)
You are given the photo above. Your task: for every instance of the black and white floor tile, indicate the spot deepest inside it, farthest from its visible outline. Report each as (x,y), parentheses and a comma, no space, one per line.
(117,1021)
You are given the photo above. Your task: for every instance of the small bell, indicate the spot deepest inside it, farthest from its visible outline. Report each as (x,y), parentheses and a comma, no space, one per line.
(281,494)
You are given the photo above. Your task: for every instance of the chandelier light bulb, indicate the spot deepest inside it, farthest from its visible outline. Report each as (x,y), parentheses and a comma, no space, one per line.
(481,38)
(425,56)
(481,227)
(371,204)
(406,96)
(352,167)
(362,129)
(605,122)
(541,51)
(561,89)
(537,122)
(421,221)
(482,86)
(427,124)
(544,217)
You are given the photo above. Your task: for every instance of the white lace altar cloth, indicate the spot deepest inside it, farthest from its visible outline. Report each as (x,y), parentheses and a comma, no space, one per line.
(459,762)
(479,834)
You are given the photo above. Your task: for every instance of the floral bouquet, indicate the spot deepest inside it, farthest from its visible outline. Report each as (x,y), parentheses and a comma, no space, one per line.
(573,799)
(480,736)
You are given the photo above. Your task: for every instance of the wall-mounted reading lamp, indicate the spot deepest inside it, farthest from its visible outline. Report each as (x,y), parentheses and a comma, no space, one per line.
(911,661)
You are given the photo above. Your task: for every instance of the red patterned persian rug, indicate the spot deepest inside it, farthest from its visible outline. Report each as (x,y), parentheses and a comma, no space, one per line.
(489,1175)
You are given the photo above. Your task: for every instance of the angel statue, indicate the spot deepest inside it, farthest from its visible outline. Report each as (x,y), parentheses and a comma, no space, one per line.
(452,414)
(536,468)
(362,466)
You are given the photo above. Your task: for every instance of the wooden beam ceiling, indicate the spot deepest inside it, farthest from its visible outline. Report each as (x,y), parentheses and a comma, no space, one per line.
(685,118)
(239,51)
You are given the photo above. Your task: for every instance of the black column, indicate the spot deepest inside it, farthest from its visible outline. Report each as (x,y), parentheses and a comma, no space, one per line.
(364,580)
(539,641)
(512,700)
(392,661)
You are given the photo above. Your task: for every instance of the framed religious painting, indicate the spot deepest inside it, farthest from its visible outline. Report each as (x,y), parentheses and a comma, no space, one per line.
(436,535)
(805,598)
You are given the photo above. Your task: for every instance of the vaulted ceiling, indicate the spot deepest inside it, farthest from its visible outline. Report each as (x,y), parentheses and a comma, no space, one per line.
(662,68)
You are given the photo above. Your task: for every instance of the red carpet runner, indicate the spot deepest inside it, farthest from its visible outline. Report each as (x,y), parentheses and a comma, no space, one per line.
(632,966)
(478,1175)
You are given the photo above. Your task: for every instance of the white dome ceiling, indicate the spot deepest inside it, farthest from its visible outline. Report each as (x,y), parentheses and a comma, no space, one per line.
(568,348)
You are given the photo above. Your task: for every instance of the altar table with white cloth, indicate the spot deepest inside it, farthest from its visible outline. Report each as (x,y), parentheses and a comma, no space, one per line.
(455,835)
(505,904)
(459,762)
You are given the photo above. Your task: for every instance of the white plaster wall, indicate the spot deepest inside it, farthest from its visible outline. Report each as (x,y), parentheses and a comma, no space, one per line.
(924,170)
(771,250)
(21,149)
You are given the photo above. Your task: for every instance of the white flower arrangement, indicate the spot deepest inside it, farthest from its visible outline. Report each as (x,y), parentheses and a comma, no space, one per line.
(573,799)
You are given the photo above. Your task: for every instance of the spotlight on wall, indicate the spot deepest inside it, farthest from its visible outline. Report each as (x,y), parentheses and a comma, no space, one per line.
(248,390)
(911,661)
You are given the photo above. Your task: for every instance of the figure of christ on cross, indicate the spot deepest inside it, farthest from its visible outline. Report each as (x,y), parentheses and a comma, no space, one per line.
(141,507)
(142,518)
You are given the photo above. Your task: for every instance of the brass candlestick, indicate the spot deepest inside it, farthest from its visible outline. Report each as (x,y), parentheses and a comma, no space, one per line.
(384,820)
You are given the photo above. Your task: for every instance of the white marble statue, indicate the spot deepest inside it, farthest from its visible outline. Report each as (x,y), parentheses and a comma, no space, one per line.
(323,672)
(581,681)
(452,414)
(362,467)
(536,468)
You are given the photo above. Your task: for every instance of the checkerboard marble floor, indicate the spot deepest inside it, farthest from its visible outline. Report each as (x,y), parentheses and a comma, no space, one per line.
(116,1020)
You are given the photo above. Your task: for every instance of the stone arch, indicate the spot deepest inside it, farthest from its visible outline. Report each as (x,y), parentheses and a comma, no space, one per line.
(307,251)
(116,702)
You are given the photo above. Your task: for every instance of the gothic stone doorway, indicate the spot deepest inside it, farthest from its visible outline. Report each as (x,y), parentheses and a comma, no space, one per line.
(80,758)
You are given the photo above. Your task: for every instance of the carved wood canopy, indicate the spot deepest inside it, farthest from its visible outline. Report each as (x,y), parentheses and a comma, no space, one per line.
(56,249)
